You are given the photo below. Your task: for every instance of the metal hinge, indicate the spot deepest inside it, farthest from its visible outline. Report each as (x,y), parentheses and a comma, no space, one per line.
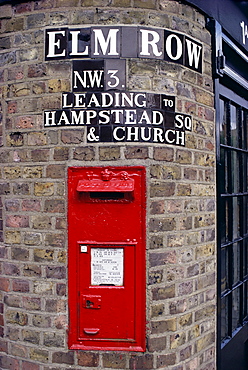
(220,63)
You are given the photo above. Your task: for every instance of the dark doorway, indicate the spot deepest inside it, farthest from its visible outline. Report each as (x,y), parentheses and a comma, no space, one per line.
(232,206)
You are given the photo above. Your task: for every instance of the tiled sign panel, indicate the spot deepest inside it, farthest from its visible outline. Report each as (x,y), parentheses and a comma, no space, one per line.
(99,99)
(123,42)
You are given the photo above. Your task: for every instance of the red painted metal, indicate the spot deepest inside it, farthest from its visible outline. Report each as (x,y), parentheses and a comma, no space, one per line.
(106,258)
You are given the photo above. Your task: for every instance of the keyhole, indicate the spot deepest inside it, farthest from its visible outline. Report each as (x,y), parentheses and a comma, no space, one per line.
(89,304)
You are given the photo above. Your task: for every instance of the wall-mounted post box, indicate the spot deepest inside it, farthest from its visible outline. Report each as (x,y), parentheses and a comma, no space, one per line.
(106,258)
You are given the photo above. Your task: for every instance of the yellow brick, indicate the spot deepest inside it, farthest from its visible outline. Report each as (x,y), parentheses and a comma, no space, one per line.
(205,250)
(12,172)
(13,237)
(204,342)
(58,85)
(203,190)
(44,189)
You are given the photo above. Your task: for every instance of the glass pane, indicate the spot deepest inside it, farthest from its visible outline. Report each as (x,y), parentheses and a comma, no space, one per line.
(223,171)
(236,262)
(227,170)
(224,269)
(235,172)
(224,318)
(235,218)
(244,167)
(246,126)
(245,254)
(223,123)
(246,173)
(242,130)
(235,308)
(223,212)
(234,126)
(246,213)
(246,300)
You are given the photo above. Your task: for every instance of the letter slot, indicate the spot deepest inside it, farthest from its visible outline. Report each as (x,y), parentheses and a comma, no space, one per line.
(106,258)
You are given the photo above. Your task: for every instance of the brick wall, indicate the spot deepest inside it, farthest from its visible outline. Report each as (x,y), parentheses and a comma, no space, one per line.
(181,285)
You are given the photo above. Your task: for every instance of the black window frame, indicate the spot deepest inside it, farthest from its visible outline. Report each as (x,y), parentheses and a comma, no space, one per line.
(232,202)
(231,87)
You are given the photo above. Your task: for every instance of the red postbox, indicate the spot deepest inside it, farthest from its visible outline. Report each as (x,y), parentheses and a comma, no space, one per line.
(106,258)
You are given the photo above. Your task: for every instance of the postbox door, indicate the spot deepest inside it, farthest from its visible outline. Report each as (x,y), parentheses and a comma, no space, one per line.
(107,296)
(106,217)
